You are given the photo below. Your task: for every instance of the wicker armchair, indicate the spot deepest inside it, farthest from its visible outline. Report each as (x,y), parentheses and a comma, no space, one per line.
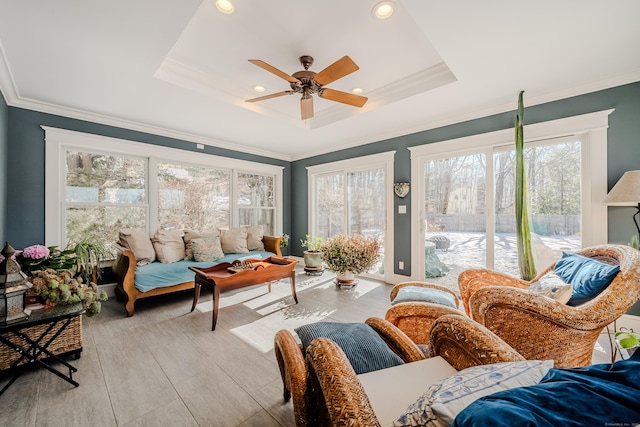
(295,375)
(460,341)
(415,318)
(541,328)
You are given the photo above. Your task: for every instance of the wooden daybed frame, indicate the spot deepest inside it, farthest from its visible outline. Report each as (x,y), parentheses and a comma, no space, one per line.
(124,268)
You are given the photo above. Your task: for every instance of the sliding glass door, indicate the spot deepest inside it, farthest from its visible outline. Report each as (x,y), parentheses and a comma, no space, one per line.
(351,198)
(468,206)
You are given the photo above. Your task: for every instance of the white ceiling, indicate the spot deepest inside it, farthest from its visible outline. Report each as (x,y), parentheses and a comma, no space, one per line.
(179,67)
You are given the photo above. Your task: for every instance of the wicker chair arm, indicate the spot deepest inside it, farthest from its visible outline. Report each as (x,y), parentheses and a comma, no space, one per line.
(397,340)
(469,281)
(396,288)
(293,370)
(415,318)
(331,374)
(464,343)
(492,300)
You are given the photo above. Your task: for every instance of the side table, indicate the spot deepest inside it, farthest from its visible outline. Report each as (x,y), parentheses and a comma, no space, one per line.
(34,349)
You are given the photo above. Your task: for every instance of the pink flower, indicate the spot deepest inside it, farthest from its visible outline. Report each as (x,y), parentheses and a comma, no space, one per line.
(35,252)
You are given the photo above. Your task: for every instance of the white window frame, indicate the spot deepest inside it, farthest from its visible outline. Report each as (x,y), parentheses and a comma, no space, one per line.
(59,141)
(590,128)
(383,160)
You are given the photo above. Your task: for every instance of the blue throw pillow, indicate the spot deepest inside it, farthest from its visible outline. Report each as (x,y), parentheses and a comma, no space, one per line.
(588,276)
(361,344)
(418,293)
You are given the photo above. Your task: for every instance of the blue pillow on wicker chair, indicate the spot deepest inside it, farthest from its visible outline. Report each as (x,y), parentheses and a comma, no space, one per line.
(364,348)
(588,276)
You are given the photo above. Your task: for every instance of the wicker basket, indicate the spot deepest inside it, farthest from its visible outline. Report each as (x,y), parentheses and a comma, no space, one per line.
(68,342)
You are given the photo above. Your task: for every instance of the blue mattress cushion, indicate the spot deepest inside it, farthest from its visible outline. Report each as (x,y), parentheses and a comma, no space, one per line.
(159,275)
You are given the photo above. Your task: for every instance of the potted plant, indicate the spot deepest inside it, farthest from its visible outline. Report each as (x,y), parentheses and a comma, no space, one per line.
(627,342)
(312,257)
(89,255)
(350,255)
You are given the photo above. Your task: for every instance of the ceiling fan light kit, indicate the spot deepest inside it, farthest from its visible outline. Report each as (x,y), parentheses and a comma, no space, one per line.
(307,83)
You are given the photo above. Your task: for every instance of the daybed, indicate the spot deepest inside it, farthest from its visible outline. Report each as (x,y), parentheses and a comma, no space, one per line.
(159,265)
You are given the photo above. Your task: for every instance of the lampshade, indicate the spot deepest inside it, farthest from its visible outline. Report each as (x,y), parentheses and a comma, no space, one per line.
(626,192)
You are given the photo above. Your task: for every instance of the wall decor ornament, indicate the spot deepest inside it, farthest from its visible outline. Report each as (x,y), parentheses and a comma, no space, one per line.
(401,189)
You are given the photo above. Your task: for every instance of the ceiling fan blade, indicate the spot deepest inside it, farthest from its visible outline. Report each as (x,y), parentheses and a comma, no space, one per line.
(335,71)
(343,97)
(273,95)
(274,70)
(306,107)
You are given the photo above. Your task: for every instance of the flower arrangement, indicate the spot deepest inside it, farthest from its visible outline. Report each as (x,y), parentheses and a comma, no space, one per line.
(63,277)
(39,257)
(285,241)
(353,253)
(60,287)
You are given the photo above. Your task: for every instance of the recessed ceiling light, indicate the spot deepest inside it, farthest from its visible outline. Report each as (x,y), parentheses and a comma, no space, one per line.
(258,88)
(357,90)
(383,10)
(225,6)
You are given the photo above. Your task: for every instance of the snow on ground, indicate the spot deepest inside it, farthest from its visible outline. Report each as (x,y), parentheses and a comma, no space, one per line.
(467,250)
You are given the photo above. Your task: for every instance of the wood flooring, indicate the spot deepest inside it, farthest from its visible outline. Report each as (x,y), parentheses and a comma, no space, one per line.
(165,367)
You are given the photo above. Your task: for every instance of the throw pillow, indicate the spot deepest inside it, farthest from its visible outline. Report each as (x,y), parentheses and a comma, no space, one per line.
(234,241)
(418,293)
(364,348)
(254,238)
(439,405)
(207,249)
(168,245)
(138,242)
(189,235)
(588,276)
(552,286)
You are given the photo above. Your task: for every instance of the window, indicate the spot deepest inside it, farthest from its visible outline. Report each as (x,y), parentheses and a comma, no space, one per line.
(196,197)
(464,192)
(103,193)
(256,200)
(93,192)
(353,196)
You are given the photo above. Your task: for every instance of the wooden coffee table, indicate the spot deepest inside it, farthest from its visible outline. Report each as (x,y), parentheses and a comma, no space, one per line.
(224,277)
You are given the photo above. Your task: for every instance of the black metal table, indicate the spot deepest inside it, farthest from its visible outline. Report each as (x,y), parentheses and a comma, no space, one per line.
(33,348)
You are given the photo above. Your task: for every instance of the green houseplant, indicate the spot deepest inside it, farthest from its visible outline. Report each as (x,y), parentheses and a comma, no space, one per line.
(312,257)
(628,341)
(350,255)
(89,255)
(523,230)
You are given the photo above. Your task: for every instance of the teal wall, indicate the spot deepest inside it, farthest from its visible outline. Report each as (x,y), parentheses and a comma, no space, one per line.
(25,175)
(623,155)
(4,144)
(22,141)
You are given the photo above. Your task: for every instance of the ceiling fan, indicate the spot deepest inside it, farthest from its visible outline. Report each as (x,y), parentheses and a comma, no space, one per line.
(308,82)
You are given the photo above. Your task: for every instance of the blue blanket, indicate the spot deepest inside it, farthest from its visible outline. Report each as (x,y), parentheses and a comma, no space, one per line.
(598,395)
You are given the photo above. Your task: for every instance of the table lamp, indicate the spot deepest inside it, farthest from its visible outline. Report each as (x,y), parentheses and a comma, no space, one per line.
(626,192)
